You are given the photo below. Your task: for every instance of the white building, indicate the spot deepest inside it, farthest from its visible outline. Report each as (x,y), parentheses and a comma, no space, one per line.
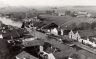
(54,31)
(71,35)
(51,56)
(77,36)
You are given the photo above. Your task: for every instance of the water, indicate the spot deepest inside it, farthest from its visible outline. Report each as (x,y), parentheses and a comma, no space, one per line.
(8,21)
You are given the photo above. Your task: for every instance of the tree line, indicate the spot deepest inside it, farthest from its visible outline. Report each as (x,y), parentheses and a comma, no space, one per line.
(82,26)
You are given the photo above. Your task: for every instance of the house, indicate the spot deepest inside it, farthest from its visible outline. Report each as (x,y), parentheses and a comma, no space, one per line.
(50,55)
(25,55)
(60,31)
(52,27)
(82,33)
(77,36)
(86,41)
(31,42)
(84,36)
(54,31)
(71,35)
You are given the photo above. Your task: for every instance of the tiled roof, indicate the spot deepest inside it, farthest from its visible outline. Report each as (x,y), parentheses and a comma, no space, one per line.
(39,24)
(50,25)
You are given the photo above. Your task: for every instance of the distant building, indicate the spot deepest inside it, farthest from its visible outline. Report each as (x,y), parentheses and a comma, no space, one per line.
(61,14)
(83,14)
(25,55)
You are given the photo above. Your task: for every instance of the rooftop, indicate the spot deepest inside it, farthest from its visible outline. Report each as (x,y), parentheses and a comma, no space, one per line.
(25,55)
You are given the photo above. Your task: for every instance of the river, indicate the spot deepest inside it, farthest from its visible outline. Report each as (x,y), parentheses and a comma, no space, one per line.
(8,21)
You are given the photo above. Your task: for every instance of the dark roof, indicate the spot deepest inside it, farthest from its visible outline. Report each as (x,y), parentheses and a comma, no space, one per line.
(28,36)
(39,24)
(31,43)
(14,34)
(50,25)
(22,31)
(25,55)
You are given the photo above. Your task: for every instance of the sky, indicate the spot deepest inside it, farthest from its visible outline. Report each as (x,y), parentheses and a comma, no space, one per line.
(47,2)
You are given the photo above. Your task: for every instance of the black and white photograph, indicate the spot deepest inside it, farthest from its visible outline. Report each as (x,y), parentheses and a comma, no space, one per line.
(47,29)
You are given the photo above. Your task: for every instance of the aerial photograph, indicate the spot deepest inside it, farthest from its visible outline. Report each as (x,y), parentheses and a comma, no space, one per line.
(47,29)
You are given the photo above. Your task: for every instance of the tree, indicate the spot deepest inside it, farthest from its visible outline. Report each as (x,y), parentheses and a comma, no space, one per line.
(4,51)
(73,14)
(84,26)
(50,11)
(93,25)
(17,16)
(73,26)
(67,12)
(75,56)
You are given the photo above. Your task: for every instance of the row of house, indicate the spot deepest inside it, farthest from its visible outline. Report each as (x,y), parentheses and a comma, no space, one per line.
(84,36)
